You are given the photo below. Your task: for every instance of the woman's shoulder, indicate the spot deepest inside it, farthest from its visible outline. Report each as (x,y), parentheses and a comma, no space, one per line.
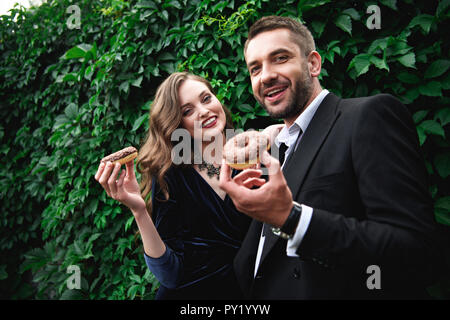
(173,177)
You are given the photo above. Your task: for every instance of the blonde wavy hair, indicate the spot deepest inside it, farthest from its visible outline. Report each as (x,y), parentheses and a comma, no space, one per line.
(154,159)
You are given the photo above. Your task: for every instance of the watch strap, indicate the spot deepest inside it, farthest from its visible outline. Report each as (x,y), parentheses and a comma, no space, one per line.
(287,230)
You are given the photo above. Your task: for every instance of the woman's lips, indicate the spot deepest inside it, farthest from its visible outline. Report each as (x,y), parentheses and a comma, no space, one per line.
(210,122)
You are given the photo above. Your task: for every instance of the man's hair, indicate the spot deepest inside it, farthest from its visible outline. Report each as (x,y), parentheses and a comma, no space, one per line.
(299,33)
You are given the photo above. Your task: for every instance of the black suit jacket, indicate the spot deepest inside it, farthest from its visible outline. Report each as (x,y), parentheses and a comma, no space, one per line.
(359,167)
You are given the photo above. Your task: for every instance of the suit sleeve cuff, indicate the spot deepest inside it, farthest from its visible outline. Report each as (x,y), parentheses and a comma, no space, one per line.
(302,227)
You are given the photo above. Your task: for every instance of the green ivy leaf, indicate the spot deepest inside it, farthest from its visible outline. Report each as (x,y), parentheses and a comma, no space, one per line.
(424,21)
(443,203)
(390,3)
(437,68)
(137,82)
(165,16)
(420,115)
(132,291)
(72,295)
(71,111)
(91,208)
(124,86)
(240,89)
(74,53)
(442,210)
(379,63)
(361,63)
(78,51)
(318,27)
(146,4)
(129,223)
(432,127)
(139,121)
(412,94)
(245,108)
(167,56)
(408,77)
(305,5)
(89,72)
(442,7)
(408,60)
(344,22)
(442,164)
(431,89)
(70,77)
(223,69)
(443,115)
(421,134)
(378,44)
(135,278)
(352,13)
(3,273)
(445,83)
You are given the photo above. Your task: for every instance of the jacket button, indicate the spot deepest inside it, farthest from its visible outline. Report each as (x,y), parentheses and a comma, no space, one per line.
(296,273)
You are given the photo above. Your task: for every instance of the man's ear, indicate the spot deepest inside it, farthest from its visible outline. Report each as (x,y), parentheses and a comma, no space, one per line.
(314,63)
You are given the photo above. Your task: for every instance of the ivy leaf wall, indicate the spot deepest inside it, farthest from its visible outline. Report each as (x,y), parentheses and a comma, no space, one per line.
(68,96)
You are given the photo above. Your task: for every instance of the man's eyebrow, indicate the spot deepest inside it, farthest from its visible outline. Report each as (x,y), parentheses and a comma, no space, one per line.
(200,95)
(271,54)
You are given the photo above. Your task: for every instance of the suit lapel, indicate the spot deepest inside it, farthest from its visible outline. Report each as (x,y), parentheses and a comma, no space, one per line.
(298,162)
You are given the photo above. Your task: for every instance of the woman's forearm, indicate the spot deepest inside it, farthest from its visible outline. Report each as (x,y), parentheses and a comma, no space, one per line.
(153,245)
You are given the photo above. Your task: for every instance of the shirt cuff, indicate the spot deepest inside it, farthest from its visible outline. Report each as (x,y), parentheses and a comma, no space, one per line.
(302,227)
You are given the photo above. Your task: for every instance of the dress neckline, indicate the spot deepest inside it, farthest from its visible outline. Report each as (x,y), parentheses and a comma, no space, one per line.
(209,186)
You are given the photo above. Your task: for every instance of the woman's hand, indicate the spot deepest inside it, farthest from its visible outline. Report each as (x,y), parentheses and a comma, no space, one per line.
(125,189)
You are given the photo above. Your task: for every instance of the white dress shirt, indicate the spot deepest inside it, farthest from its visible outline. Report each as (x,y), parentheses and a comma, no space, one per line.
(289,137)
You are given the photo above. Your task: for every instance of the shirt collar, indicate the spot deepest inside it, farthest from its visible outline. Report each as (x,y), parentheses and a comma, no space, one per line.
(289,135)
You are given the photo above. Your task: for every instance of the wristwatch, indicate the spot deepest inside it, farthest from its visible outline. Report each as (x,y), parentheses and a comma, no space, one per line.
(287,230)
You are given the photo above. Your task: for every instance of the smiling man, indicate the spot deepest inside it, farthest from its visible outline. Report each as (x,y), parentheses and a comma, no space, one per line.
(352,193)
(284,87)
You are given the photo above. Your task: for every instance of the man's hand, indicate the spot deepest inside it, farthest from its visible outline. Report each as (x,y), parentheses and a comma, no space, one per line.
(272,131)
(270,203)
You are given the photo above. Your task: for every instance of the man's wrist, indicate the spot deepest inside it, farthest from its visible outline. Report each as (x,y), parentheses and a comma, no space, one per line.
(287,230)
(292,220)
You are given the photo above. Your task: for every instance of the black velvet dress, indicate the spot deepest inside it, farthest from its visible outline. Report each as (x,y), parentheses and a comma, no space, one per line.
(202,234)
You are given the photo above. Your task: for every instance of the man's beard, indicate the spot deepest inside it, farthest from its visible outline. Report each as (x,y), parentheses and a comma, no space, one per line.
(303,88)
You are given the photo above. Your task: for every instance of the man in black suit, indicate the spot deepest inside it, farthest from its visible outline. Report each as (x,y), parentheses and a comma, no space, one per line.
(362,223)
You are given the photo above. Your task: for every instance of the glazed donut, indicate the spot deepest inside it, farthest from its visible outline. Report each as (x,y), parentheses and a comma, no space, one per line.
(122,156)
(243,150)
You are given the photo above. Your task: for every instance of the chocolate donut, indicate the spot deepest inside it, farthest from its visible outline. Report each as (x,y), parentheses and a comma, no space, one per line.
(243,150)
(121,156)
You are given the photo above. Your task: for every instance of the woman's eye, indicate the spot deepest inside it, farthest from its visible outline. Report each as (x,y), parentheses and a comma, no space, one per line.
(207,98)
(186,112)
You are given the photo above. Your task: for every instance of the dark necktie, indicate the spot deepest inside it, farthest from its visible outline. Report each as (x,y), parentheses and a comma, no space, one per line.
(282,152)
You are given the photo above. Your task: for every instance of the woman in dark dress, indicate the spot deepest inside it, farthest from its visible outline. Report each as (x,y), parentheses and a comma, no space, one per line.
(190,229)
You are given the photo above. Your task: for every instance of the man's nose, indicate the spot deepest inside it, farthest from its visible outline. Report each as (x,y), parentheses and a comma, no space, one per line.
(268,74)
